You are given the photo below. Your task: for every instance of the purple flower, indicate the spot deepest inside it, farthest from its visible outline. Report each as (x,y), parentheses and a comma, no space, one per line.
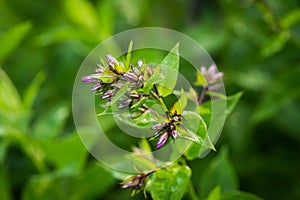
(166,130)
(211,75)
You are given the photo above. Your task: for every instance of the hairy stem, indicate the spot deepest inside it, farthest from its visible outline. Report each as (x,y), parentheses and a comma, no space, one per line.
(202,95)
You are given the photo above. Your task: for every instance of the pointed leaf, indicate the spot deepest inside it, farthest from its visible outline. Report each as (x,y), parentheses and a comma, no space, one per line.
(179,105)
(231,102)
(169,69)
(128,56)
(33,89)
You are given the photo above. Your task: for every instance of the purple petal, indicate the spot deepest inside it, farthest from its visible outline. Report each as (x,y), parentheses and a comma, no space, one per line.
(131,76)
(174,134)
(162,140)
(88,79)
(96,87)
(111,60)
(107,94)
(212,69)
(140,63)
(156,126)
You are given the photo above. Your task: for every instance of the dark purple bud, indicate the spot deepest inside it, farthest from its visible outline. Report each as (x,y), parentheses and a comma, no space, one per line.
(135,182)
(107,94)
(174,134)
(131,76)
(162,140)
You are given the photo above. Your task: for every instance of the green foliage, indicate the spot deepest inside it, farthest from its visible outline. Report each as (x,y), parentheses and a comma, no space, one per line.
(255,43)
(169,183)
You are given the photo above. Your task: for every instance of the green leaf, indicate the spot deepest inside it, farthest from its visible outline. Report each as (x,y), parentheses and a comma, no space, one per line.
(51,124)
(67,154)
(196,126)
(219,173)
(5,193)
(12,38)
(3,148)
(33,89)
(91,183)
(238,195)
(128,56)
(169,183)
(200,80)
(10,100)
(12,111)
(82,13)
(169,69)
(154,79)
(290,19)
(231,102)
(142,162)
(179,105)
(215,194)
(275,44)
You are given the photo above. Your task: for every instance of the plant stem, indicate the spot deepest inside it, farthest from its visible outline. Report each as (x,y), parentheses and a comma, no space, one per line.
(191,191)
(160,101)
(202,95)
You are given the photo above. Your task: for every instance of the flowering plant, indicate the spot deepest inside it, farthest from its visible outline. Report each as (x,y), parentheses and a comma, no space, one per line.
(138,94)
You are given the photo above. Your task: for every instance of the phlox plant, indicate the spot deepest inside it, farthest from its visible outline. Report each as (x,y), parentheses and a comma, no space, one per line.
(138,92)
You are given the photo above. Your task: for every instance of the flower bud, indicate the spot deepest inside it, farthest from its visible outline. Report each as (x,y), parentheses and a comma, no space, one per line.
(162,140)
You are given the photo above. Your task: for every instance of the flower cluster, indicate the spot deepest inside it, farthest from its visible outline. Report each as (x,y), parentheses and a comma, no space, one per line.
(211,75)
(109,79)
(137,182)
(166,130)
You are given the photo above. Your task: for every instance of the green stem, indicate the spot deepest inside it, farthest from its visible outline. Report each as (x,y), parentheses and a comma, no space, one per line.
(160,101)
(192,192)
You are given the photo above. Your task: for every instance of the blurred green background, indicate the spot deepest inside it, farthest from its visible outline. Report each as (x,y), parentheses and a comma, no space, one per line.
(42,44)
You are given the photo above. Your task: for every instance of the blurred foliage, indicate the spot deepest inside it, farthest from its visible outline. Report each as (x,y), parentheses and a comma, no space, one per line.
(42,44)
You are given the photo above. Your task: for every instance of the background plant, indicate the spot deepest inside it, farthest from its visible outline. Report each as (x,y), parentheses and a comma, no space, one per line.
(255,43)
